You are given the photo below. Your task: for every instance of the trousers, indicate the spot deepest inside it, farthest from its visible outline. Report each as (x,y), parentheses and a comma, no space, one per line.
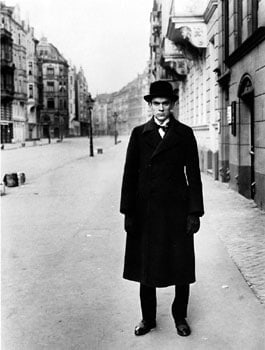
(179,306)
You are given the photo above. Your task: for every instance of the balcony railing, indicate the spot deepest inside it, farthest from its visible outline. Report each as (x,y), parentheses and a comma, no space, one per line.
(7,92)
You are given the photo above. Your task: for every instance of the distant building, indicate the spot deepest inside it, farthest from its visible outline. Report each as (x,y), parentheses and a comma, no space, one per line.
(155,41)
(138,111)
(166,60)
(53,76)
(82,94)
(100,114)
(74,124)
(10,20)
(123,109)
(33,123)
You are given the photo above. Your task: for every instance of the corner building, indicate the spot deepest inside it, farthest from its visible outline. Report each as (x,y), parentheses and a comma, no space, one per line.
(53,78)
(11,22)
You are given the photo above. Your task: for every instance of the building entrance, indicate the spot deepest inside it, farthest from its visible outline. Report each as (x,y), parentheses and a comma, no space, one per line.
(246,138)
(6,133)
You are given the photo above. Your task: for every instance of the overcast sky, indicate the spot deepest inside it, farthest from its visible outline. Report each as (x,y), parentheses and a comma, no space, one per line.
(108,38)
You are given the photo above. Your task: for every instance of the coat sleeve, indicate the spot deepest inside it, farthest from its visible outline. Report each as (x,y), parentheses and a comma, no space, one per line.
(130,176)
(194,177)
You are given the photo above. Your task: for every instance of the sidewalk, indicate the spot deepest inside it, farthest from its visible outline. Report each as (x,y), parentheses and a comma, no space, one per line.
(16,145)
(240,224)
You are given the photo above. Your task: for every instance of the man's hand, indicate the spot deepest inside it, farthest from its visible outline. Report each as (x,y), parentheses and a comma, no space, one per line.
(129,224)
(193,224)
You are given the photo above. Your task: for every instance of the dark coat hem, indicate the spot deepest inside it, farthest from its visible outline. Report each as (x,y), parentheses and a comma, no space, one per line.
(160,285)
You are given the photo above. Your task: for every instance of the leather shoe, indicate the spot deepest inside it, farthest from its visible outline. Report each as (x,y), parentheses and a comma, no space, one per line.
(183,328)
(144,327)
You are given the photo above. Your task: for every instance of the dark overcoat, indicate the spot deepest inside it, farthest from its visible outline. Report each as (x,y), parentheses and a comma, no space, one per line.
(161,186)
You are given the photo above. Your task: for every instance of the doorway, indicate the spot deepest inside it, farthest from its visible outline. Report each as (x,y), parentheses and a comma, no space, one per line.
(246,179)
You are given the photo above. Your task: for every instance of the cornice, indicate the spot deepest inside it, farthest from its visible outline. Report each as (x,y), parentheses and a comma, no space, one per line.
(210,10)
(224,79)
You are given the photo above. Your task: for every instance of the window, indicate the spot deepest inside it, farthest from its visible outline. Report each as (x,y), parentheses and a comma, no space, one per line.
(50,103)
(50,71)
(225,10)
(238,22)
(245,19)
(61,104)
(252,15)
(62,86)
(50,86)
(30,90)
(30,67)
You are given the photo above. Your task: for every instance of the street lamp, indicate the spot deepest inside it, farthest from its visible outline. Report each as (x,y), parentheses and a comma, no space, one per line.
(90,104)
(46,122)
(115,117)
(61,126)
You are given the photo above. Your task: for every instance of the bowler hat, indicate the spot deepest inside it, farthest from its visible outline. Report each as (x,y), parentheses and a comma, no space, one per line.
(161,88)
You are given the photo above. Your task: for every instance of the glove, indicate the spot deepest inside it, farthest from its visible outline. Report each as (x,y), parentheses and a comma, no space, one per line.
(193,224)
(129,224)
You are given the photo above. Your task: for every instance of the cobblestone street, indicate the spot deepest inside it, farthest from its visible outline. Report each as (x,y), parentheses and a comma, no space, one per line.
(241,226)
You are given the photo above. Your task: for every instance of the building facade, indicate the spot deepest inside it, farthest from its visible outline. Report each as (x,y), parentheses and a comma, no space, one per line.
(121,111)
(11,22)
(74,124)
(82,95)
(53,78)
(32,106)
(221,90)
(241,76)
(196,38)
(100,114)
(7,76)
(138,111)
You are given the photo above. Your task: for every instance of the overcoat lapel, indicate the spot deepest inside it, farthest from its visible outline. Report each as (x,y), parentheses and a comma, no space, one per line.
(151,135)
(171,138)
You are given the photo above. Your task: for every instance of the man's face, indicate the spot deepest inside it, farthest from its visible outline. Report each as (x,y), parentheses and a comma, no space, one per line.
(161,108)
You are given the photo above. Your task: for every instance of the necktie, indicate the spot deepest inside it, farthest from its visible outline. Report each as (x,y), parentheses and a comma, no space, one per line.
(163,127)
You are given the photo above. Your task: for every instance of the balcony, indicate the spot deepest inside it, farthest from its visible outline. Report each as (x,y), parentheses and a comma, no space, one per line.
(7,93)
(7,63)
(173,59)
(189,33)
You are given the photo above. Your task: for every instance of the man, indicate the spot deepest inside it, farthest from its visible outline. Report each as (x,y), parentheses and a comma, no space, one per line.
(162,202)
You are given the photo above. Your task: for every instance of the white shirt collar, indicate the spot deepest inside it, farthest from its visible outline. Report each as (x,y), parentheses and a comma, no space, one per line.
(165,122)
